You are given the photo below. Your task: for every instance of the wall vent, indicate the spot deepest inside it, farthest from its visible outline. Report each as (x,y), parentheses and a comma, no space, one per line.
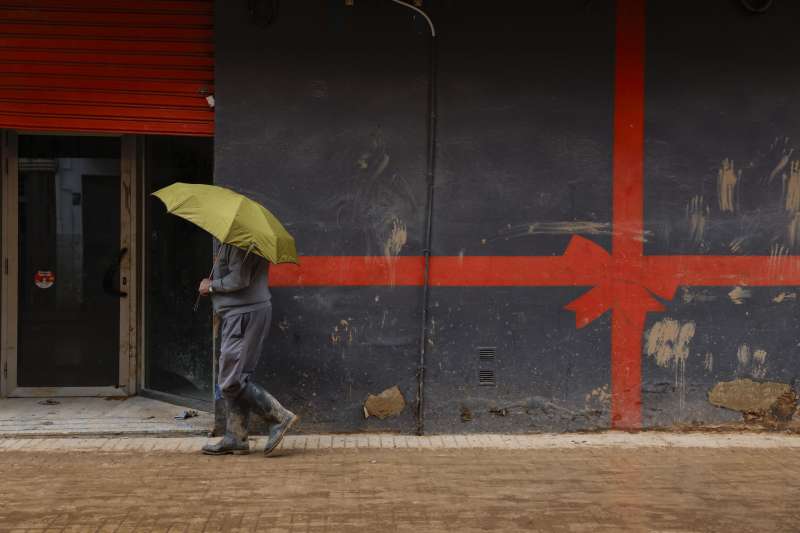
(486,378)
(487,353)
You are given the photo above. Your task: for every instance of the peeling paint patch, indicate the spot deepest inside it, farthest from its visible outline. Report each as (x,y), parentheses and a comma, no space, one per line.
(388,403)
(769,403)
(726,186)
(739,294)
(746,394)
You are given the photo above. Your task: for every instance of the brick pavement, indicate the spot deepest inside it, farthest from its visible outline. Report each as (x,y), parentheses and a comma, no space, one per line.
(616,439)
(592,482)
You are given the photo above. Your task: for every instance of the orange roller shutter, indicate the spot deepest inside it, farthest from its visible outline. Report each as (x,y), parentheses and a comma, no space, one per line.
(107,66)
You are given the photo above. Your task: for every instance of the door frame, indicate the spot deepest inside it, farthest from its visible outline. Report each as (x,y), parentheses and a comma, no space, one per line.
(128,275)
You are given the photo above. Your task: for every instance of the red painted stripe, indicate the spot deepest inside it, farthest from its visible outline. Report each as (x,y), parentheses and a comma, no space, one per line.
(575,268)
(712,270)
(519,271)
(628,213)
(348,271)
(628,166)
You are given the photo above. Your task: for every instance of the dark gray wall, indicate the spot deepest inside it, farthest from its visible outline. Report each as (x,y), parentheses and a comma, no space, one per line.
(719,87)
(525,135)
(321,116)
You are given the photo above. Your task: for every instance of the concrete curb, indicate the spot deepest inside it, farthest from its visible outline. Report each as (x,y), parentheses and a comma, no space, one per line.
(431,442)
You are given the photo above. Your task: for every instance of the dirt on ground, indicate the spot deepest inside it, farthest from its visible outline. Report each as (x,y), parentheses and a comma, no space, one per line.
(592,489)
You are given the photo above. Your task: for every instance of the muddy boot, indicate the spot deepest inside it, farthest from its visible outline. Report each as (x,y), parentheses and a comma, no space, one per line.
(235,439)
(277,416)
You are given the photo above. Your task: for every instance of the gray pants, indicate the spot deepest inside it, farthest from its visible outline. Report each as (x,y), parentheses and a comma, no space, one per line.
(242,341)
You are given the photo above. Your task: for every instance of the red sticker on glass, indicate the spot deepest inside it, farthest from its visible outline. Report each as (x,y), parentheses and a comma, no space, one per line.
(44,279)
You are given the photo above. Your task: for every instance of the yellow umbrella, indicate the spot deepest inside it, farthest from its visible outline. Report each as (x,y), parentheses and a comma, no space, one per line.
(232,218)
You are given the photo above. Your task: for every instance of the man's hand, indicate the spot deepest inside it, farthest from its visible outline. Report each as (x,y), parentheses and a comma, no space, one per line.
(204,286)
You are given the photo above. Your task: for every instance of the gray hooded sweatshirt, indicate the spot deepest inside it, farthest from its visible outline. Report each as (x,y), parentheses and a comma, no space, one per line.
(239,284)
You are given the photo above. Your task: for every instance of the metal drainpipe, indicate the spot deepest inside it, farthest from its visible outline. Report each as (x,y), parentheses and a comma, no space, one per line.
(431,179)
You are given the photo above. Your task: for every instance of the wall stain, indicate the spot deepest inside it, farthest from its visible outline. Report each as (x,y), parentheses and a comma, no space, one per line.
(791,202)
(375,199)
(785,297)
(752,362)
(667,342)
(398,236)
(727,179)
(708,362)
(697,213)
(343,334)
(689,296)
(739,294)
(565,227)
(599,399)
(781,165)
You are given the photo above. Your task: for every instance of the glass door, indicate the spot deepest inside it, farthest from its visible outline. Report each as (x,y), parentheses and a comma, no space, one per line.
(71,267)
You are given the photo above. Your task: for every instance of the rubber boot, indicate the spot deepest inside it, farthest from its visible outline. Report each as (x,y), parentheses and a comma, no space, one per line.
(279,419)
(235,439)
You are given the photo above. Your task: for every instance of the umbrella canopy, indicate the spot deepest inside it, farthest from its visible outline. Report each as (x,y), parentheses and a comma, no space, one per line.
(232,218)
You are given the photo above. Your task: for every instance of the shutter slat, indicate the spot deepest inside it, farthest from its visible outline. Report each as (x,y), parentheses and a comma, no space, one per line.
(107,125)
(127,6)
(106,45)
(110,18)
(68,96)
(130,85)
(102,58)
(121,33)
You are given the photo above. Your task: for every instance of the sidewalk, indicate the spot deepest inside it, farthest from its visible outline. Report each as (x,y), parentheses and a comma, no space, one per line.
(67,417)
(607,482)
(565,441)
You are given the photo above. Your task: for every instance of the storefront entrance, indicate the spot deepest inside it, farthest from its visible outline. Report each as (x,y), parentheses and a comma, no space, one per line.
(98,281)
(68,291)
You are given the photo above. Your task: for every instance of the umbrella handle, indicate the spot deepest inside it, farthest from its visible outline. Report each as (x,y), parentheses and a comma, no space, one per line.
(210,276)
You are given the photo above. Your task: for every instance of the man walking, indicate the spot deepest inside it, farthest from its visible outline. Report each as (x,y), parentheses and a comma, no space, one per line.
(239,291)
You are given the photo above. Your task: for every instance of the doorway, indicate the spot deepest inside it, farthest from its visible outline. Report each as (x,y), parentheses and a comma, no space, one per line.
(177,340)
(69,293)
